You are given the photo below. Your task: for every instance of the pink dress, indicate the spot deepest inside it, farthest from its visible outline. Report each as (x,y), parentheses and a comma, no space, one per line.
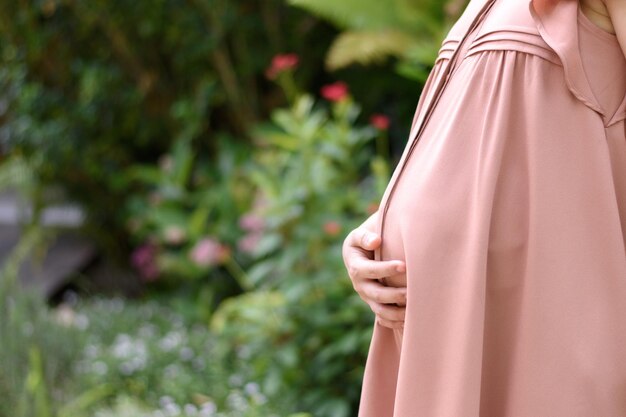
(510,212)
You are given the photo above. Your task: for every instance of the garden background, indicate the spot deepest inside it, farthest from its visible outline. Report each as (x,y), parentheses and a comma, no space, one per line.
(218,152)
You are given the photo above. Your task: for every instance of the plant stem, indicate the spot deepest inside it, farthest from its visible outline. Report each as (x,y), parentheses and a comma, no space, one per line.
(287,83)
(382,145)
(238,273)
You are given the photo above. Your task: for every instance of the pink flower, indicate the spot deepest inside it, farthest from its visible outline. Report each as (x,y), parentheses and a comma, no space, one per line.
(142,255)
(208,252)
(143,259)
(251,222)
(174,235)
(150,272)
(249,242)
(280,63)
(335,92)
(332,228)
(380,121)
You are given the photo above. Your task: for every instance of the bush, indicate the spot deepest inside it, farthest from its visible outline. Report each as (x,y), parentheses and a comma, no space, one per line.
(36,351)
(304,332)
(90,89)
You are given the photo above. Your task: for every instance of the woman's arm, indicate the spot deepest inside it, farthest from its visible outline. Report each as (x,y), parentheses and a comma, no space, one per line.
(617,12)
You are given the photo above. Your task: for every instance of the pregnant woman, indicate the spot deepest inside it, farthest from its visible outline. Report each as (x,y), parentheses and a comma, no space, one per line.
(496,263)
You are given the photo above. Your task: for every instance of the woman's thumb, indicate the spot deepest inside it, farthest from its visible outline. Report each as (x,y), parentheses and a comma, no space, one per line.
(369,240)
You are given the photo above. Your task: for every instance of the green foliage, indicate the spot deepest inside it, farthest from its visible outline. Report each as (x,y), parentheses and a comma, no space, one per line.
(30,384)
(368,14)
(110,357)
(146,351)
(304,331)
(294,342)
(186,199)
(367,47)
(89,89)
(410,30)
(141,113)
(152,360)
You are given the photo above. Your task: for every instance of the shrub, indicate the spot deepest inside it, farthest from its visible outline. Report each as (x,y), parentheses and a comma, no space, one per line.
(304,332)
(90,89)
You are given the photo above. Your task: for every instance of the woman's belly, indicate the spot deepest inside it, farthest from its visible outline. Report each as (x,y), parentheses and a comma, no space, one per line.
(393,246)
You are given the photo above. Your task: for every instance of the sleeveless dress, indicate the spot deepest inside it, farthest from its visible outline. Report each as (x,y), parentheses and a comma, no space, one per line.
(508,206)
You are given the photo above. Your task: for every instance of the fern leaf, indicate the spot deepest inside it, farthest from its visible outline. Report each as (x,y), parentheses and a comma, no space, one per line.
(353,14)
(367,47)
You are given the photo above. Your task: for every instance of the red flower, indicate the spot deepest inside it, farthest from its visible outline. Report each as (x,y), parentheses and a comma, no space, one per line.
(372,207)
(379,121)
(332,228)
(280,63)
(335,92)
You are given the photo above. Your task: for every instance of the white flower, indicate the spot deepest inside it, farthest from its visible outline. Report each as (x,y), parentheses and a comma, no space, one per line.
(191,410)
(251,388)
(186,354)
(171,370)
(91,351)
(244,352)
(198,363)
(165,400)
(172,409)
(99,367)
(147,330)
(236,401)
(171,341)
(208,409)
(125,347)
(81,321)
(235,380)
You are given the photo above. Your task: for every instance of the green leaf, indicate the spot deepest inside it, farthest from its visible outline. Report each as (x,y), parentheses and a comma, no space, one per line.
(260,271)
(368,47)
(284,141)
(267,244)
(352,13)
(182,155)
(303,106)
(149,174)
(198,221)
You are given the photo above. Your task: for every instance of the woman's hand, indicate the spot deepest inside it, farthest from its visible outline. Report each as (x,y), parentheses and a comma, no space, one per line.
(388,303)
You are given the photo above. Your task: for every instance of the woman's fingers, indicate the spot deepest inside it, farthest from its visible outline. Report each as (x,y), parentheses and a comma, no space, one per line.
(363,238)
(390,324)
(387,302)
(388,311)
(359,258)
(375,291)
(363,268)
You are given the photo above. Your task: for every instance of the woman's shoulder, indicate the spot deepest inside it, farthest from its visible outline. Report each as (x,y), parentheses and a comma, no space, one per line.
(598,13)
(617,12)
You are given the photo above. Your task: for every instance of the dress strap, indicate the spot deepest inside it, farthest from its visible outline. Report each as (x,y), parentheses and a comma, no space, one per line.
(427,111)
